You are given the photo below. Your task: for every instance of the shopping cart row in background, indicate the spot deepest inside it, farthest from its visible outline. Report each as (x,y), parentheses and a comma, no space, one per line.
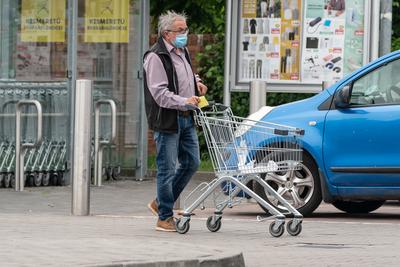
(45,164)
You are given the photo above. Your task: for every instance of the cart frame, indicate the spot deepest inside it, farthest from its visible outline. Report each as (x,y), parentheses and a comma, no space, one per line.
(239,155)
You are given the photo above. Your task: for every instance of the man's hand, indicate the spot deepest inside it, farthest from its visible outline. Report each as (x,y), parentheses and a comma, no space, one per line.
(194,100)
(202,88)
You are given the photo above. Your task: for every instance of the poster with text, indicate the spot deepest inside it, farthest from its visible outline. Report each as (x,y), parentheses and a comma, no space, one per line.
(106,21)
(43,21)
(354,37)
(333,39)
(269,40)
(290,40)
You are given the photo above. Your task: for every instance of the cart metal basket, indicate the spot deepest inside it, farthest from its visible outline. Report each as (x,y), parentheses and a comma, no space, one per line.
(241,150)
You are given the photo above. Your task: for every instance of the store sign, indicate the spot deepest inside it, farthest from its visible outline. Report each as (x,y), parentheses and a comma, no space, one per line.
(106,21)
(43,20)
(299,42)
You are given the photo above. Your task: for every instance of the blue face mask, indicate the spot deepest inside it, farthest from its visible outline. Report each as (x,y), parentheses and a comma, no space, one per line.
(180,41)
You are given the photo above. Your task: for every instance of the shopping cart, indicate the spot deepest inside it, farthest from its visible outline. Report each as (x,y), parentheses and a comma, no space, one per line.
(241,150)
(46,164)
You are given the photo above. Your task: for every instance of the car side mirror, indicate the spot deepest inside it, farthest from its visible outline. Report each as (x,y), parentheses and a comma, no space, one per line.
(342,97)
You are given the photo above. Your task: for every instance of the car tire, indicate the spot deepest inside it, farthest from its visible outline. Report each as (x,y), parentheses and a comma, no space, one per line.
(354,207)
(309,194)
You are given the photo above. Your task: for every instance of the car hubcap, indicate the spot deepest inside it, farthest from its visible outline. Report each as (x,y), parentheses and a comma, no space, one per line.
(295,186)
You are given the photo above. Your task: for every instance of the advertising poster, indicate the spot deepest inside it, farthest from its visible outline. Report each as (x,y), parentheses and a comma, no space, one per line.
(269,40)
(43,20)
(354,37)
(323,40)
(300,42)
(106,21)
(333,39)
(290,40)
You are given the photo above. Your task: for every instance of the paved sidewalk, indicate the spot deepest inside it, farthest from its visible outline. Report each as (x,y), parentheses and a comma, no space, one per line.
(36,229)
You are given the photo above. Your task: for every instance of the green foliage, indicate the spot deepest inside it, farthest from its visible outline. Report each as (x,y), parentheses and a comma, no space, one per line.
(203,15)
(396,25)
(396,44)
(211,68)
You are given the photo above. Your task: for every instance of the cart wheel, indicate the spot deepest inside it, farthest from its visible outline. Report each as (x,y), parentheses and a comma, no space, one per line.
(60,179)
(109,173)
(12,180)
(45,178)
(293,230)
(37,179)
(7,180)
(53,178)
(213,227)
(276,232)
(116,172)
(182,229)
(28,180)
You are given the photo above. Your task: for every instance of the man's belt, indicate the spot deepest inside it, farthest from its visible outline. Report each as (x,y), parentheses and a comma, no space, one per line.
(186,113)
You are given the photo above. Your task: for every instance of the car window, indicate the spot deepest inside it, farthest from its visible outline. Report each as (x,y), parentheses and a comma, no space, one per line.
(381,86)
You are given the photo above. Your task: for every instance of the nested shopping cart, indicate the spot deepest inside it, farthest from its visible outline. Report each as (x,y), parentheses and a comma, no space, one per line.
(241,150)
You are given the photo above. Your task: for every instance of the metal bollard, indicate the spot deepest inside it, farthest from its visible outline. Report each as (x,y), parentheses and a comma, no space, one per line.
(258,98)
(20,149)
(99,145)
(81,148)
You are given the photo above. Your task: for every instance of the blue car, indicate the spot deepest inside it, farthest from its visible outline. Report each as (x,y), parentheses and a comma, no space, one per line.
(351,144)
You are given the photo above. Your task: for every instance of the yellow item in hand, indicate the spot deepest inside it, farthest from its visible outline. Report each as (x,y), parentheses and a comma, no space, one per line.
(203,102)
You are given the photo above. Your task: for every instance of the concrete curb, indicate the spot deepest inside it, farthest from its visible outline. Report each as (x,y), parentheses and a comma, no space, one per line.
(227,261)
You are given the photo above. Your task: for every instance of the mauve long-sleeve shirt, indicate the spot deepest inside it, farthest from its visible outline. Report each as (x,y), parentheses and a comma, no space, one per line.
(157,80)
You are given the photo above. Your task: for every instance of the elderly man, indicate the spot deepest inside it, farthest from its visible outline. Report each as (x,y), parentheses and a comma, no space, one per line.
(171,91)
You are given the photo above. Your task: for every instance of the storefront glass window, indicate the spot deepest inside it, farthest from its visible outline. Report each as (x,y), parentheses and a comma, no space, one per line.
(34,62)
(108,54)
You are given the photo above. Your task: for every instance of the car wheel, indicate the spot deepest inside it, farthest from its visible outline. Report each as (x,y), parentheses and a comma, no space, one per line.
(301,188)
(358,206)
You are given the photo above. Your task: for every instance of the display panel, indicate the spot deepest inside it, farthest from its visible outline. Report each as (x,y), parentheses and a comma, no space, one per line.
(297,45)
(333,39)
(269,40)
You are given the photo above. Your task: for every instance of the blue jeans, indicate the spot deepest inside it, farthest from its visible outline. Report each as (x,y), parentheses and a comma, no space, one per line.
(178,158)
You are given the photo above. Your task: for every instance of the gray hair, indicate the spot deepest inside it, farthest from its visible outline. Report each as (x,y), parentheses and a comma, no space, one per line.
(166,20)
